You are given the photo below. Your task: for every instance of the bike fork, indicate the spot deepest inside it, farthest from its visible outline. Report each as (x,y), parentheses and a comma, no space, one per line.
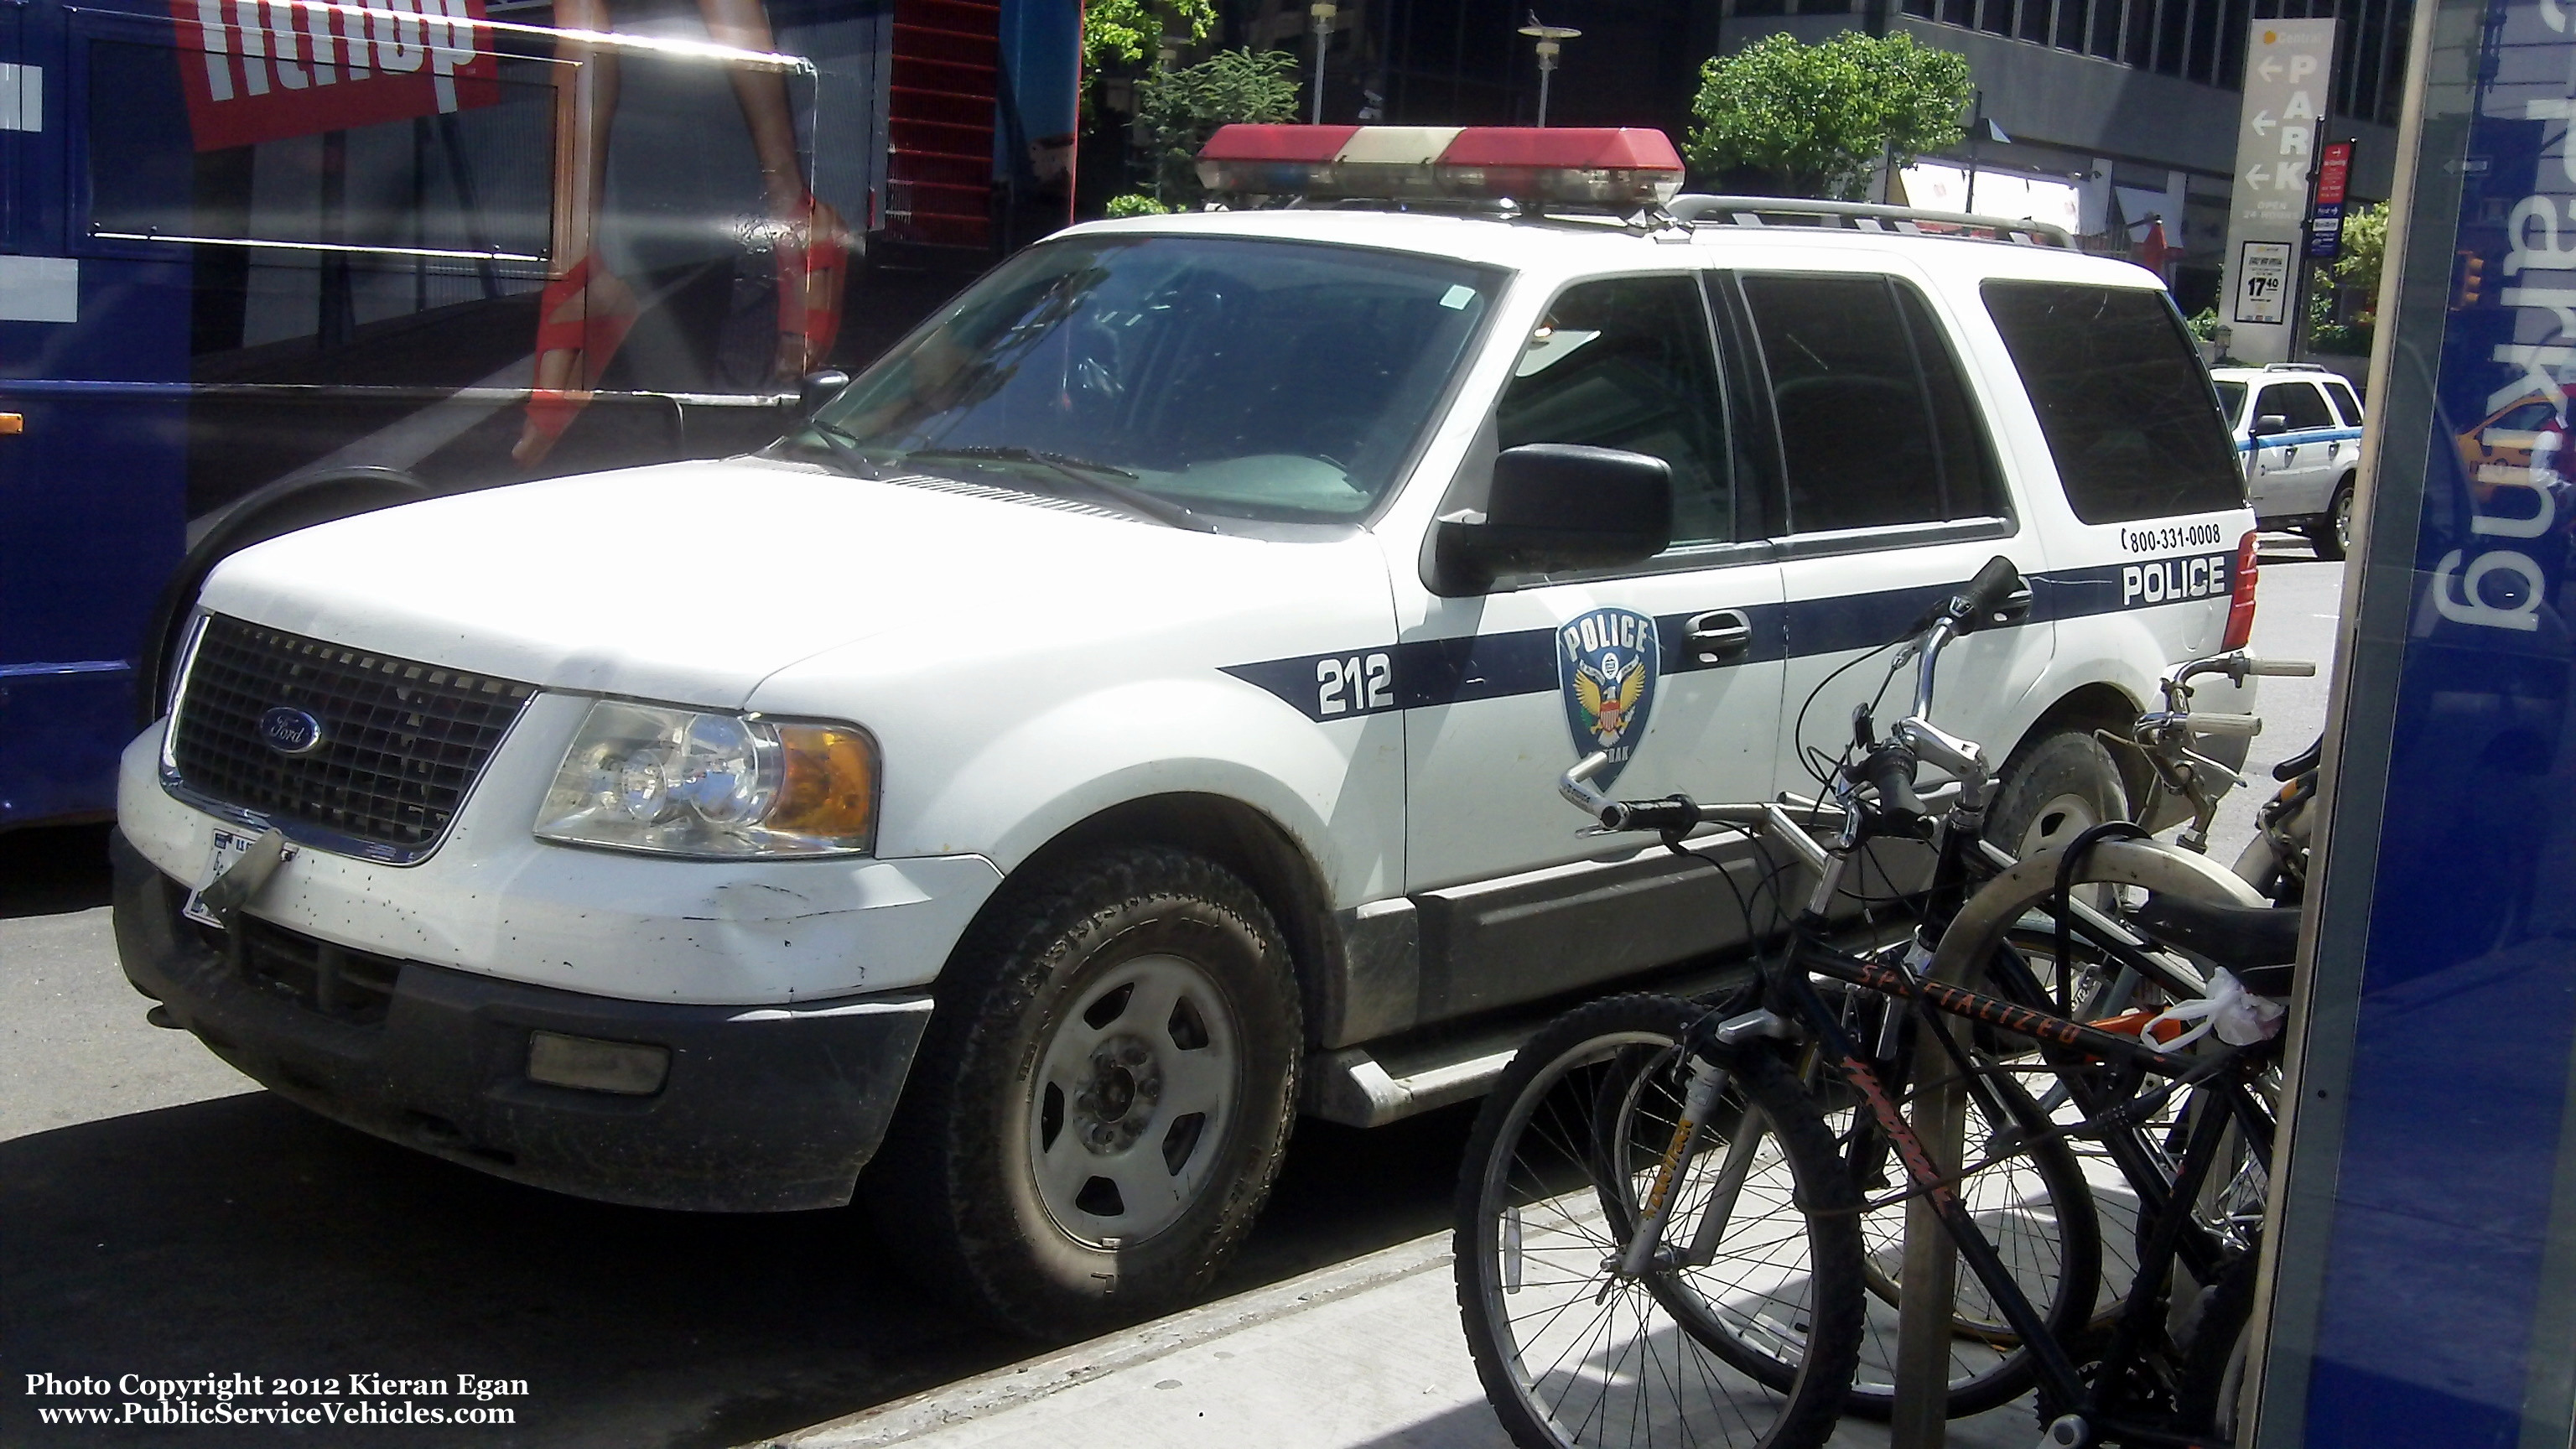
(1699,1103)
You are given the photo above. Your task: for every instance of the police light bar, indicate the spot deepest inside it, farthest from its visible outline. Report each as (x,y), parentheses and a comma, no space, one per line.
(1620,168)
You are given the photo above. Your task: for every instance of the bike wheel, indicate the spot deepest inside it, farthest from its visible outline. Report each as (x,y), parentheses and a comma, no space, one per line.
(2013,911)
(1747,1343)
(2035,1207)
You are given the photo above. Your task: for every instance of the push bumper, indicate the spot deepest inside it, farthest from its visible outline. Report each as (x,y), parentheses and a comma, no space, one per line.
(762,1108)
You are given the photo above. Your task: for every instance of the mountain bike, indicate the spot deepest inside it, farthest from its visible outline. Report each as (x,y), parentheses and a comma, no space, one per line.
(1660,1233)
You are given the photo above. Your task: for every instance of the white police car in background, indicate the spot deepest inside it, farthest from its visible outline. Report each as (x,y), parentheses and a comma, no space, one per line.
(2298,430)
(1130,711)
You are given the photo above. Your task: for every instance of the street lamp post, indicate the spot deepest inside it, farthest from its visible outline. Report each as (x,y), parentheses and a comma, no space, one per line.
(1322,12)
(1549,38)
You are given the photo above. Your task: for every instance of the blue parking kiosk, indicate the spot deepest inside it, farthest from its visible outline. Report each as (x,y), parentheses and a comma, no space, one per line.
(2423,1254)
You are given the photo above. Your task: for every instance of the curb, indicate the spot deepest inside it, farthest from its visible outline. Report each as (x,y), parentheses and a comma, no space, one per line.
(1033,1379)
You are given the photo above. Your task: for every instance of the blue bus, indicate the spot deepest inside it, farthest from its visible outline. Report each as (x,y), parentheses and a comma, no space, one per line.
(269,262)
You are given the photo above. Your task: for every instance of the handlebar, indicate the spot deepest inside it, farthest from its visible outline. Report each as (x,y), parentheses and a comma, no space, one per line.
(1990,598)
(2240,667)
(1890,771)
(2204,722)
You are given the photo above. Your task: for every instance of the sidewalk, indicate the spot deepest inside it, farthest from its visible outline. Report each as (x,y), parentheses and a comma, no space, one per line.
(1363,1355)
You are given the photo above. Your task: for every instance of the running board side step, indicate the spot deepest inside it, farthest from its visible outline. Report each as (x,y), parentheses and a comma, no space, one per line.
(1387,1081)
(1354,1088)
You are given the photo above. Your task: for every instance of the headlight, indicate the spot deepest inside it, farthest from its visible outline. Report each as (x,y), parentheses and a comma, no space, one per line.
(693,782)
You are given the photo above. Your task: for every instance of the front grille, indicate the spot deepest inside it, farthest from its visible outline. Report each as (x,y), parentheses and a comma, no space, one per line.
(401,741)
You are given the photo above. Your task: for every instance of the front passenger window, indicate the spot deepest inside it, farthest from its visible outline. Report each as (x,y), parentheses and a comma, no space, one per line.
(1627,363)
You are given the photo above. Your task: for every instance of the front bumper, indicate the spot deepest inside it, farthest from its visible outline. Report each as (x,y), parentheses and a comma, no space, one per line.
(765,1108)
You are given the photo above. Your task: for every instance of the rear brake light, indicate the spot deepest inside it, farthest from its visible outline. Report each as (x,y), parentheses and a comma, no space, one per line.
(1618,167)
(2240,600)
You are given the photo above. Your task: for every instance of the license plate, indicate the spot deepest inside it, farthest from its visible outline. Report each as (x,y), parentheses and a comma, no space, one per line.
(229,847)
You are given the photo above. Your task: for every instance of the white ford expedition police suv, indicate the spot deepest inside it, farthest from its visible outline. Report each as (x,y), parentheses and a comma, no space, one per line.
(1128,714)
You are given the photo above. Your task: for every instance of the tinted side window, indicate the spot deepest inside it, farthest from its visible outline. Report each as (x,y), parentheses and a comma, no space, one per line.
(2345,403)
(2297,401)
(1628,363)
(2123,401)
(1876,427)
(1971,484)
(2231,396)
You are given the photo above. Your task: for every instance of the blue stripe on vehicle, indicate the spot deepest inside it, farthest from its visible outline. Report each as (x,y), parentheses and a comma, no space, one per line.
(2310,435)
(1424,673)
(84,666)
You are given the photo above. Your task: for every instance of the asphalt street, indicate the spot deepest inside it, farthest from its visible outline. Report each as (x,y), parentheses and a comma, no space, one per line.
(161,1216)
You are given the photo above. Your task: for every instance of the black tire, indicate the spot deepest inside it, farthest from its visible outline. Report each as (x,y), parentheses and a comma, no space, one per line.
(2330,532)
(2038,1211)
(1066,1047)
(1686,1367)
(2054,788)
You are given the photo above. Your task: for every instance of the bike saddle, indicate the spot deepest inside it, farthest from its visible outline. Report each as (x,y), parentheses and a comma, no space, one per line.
(2300,763)
(2255,943)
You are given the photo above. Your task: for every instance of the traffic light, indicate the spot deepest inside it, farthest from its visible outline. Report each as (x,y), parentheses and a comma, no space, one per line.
(2468,282)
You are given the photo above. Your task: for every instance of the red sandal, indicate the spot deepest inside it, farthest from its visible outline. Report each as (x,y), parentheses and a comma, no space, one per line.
(593,340)
(813,257)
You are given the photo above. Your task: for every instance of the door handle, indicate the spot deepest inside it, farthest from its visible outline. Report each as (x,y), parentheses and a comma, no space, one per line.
(1719,635)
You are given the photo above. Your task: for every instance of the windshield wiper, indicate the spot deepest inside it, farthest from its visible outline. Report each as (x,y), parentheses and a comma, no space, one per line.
(839,443)
(1111,482)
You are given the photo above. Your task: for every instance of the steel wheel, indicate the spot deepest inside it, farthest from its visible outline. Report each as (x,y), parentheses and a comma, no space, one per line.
(1136,1085)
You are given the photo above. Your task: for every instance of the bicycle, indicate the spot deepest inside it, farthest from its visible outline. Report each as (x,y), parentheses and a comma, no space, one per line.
(1604,1127)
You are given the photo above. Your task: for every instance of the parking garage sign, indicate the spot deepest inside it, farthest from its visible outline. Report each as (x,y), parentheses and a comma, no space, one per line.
(2286,71)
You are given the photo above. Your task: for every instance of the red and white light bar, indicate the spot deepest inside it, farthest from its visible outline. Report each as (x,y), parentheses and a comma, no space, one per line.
(1620,168)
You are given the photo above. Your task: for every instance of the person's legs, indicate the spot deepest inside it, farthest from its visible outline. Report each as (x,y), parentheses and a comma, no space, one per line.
(584,312)
(813,246)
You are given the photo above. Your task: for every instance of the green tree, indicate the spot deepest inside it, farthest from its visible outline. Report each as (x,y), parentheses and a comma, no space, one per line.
(1816,118)
(1124,32)
(2353,275)
(1181,108)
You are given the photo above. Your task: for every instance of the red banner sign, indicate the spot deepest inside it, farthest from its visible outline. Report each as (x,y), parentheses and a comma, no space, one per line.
(2334,168)
(262,70)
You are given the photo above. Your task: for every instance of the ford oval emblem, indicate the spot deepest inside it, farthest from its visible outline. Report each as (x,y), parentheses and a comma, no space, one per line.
(290,731)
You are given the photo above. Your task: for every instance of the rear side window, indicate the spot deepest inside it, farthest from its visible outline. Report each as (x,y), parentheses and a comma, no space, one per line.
(2345,403)
(2298,402)
(2122,399)
(1627,363)
(1876,426)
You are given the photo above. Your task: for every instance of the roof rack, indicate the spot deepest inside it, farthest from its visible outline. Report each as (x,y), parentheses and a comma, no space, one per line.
(2295,367)
(1798,211)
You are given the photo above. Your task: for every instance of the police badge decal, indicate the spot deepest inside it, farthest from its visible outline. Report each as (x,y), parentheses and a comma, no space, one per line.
(1607,662)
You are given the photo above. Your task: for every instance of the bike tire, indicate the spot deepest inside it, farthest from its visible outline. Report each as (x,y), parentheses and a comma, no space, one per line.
(1569,1354)
(2037,1209)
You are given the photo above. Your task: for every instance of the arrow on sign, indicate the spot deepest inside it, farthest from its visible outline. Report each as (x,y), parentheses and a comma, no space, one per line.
(2270,69)
(2259,177)
(2262,123)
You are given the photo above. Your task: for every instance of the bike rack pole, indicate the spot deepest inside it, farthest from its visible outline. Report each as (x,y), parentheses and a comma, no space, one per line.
(1928,1279)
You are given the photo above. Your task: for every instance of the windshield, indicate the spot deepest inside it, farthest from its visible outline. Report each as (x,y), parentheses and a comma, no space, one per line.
(2231,396)
(1256,378)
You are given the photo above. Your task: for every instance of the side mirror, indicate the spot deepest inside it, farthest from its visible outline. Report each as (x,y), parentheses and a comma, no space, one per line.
(819,388)
(1557,506)
(2270,423)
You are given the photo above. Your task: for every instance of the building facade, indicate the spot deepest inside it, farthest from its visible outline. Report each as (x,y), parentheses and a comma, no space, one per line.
(2132,102)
